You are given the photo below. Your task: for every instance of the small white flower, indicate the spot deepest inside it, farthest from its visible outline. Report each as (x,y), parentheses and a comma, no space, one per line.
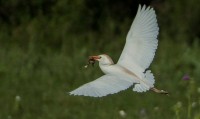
(198,89)
(179,104)
(143,112)
(122,113)
(156,108)
(194,104)
(18,98)
(9,117)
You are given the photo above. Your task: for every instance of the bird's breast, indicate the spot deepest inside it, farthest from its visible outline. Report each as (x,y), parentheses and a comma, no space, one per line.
(114,69)
(110,69)
(120,71)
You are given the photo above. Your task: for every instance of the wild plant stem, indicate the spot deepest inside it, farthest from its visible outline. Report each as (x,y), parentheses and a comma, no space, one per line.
(189,107)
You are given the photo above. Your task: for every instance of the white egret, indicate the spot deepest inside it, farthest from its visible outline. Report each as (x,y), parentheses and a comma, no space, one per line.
(130,70)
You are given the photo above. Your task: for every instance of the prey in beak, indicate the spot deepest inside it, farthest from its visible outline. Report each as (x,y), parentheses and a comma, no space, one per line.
(92,60)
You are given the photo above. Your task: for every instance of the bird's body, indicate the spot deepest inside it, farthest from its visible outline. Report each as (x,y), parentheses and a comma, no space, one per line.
(130,70)
(116,69)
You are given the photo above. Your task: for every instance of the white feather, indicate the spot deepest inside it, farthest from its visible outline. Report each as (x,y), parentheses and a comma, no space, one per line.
(141,42)
(107,84)
(148,82)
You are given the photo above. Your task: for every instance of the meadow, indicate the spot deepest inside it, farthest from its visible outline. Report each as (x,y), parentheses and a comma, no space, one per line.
(43,57)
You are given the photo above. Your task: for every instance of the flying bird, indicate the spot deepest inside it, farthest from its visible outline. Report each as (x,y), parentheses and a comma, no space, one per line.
(131,68)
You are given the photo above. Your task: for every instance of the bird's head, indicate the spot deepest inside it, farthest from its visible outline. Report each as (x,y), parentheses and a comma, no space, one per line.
(103,59)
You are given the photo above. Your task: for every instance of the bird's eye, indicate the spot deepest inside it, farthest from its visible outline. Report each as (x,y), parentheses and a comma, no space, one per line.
(99,57)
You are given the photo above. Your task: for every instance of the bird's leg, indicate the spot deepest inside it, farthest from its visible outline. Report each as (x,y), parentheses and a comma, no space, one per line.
(159,91)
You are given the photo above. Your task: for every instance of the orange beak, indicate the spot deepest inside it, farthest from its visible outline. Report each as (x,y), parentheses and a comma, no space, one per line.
(94,57)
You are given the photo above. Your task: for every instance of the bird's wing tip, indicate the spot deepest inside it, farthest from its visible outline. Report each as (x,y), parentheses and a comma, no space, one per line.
(71,93)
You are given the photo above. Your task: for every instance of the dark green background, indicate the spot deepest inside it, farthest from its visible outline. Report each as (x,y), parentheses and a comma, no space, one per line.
(44,45)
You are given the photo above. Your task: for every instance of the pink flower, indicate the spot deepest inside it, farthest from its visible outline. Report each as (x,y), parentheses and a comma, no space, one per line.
(186,77)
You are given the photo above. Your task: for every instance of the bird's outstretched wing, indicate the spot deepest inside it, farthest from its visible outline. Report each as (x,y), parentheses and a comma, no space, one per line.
(107,84)
(141,41)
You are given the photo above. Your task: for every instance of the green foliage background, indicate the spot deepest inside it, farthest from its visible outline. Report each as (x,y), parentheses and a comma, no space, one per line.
(44,45)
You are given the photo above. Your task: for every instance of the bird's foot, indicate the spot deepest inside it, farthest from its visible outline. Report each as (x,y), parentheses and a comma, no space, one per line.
(159,91)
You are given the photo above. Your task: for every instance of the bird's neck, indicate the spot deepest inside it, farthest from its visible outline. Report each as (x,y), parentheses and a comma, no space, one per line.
(107,69)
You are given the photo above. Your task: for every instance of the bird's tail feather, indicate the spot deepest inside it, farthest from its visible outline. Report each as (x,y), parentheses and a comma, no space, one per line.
(149,78)
(149,83)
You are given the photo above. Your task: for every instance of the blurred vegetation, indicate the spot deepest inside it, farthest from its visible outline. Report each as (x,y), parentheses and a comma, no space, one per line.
(45,44)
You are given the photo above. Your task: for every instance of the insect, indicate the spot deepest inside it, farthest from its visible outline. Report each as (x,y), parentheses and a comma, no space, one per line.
(91,61)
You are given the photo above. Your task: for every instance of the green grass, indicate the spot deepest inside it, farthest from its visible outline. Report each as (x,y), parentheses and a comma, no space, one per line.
(42,79)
